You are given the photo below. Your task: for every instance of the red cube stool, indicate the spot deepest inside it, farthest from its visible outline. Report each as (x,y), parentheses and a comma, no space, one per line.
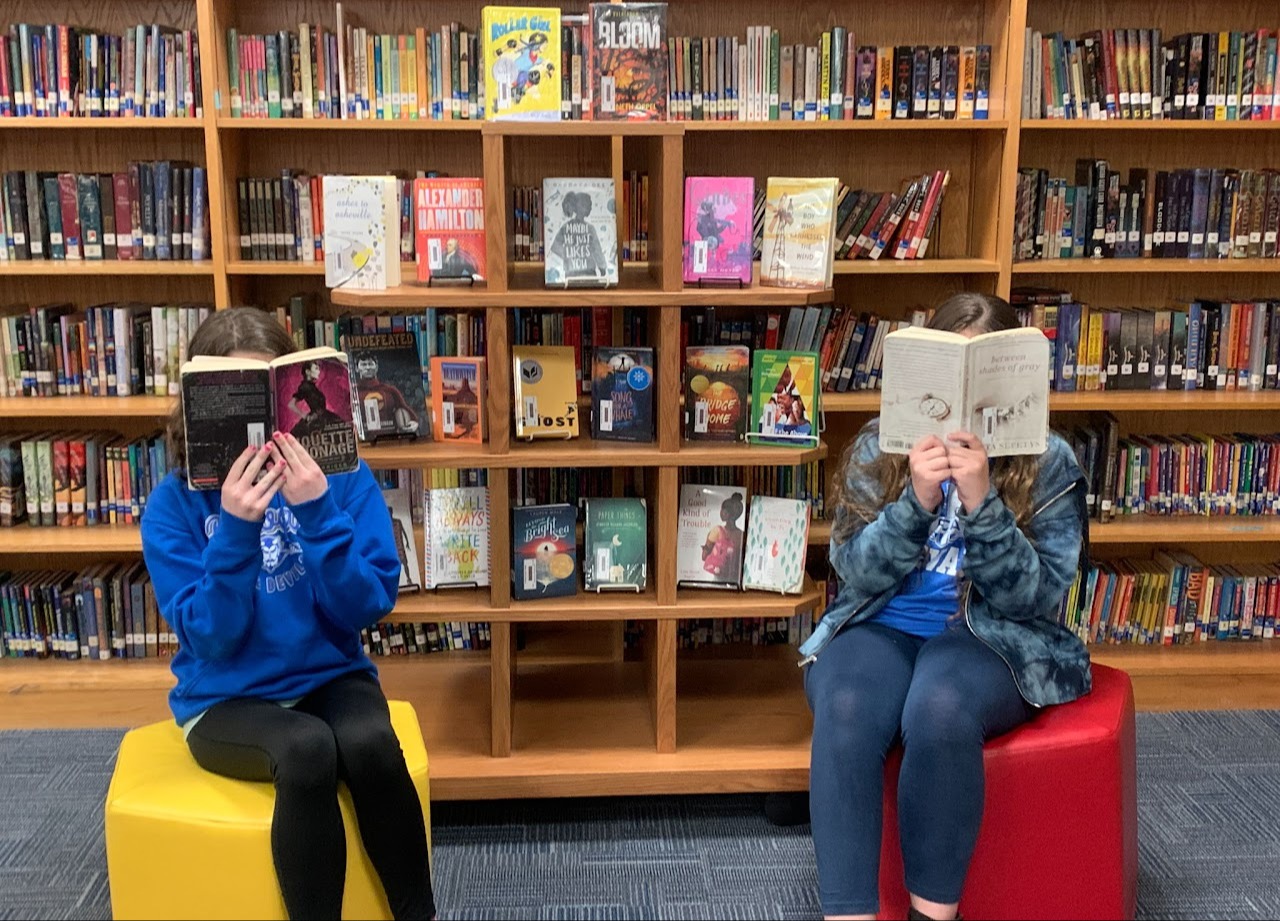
(1059,834)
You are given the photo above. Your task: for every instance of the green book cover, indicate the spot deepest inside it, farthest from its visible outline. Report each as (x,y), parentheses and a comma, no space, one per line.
(273,77)
(784,397)
(775,53)
(616,551)
(777,541)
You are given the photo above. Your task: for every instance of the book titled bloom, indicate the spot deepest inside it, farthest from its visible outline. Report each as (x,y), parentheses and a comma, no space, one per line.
(457,537)
(361,232)
(777,542)
(799,232)
(628,61)
(717,228)
(580,231)
(449,228)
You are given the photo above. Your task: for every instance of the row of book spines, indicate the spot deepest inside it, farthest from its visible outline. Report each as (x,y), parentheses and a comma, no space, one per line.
(749,631)
(435,331)
(355,74)
(542,486)
(869,224)
(791,481)
(61,71)
(1131,74)
(582,330)
(106,351)
(79,479)
(388,639)
(1172,601)
(106,612)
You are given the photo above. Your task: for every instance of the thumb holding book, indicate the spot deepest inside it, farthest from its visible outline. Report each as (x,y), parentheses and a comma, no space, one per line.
(970,468)
(930,467)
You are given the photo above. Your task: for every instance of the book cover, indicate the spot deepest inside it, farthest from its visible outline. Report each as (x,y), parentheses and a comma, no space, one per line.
(13,495)
(717,228)
(799,233)
(521,61)
(544,551)
(622,393)
(313,403)
(716,381)
(615,545)
(457,536)
(784,396)
(627,61)
(449,228)
(388,383)
(398,507)
(546,404)
(361,232)
(710,534)
(580,231)
(458,387)
(777,543)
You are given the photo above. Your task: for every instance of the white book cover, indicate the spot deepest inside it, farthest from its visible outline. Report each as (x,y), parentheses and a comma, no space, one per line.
(398,506)
(361,232)
(580,231)
(457,536)
(777,543)
(799,233)
(710,535)
(995,385)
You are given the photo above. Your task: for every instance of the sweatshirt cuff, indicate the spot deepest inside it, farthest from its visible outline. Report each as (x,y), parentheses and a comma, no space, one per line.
(986,515)
(238,534)
(909,516)
(313,515)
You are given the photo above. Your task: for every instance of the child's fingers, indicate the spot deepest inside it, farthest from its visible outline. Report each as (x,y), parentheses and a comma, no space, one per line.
(271,476)
(251,469)
(286,444)
(237,468)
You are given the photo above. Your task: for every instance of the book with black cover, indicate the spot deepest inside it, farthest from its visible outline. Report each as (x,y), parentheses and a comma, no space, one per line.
(387,374)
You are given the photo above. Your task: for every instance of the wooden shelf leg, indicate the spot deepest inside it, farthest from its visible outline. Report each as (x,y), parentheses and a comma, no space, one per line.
(502,673)
(660,678)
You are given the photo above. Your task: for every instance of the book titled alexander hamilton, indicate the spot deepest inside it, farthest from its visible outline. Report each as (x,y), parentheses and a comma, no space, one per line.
(777,543)
(448,221)
(628,61)
(622,388)
(716,382)
(544,549)
(718,228)
(231,403)
(616,545)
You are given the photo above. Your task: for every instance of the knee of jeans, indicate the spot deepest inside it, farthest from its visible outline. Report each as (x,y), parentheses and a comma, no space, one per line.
(938,715)
(308,758)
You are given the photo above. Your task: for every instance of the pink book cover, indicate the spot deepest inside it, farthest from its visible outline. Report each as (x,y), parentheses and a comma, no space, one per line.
(717,228)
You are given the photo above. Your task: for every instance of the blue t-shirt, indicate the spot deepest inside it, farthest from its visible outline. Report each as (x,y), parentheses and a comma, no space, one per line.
(931,593)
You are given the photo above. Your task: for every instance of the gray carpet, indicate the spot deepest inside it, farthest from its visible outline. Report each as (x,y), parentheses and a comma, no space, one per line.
(1208,796)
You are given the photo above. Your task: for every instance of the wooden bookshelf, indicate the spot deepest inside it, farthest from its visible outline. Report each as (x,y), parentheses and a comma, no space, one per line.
(1158,530)
(102,124)
(87,267)
(87,408)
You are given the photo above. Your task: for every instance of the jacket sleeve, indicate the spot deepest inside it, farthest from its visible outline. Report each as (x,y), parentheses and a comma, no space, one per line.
(350,553)
(207,596)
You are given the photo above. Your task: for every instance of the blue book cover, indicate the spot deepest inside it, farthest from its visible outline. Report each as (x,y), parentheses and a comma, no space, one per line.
(544,551)
(1195,328)
(622,389)
(1067,342)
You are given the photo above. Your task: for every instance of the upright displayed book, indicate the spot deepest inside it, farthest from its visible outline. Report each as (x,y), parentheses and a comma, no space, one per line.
(546,391)
(995,385)
(361,232)
(457,399)
(615,545)
(448,222)
(231,403)
(777,542)
(716,382)
(622,392)
(544,549)
(718,214)
(520,46)
(710,534)
(627,61)
(580,232)
(398,506)
(784,397)
(799,232)
(388,383)
(457,537)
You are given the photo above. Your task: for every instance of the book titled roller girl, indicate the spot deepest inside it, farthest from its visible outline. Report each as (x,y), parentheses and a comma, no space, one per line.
(521,51)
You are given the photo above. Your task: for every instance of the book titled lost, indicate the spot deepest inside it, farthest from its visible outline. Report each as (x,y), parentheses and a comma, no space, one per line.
(231,403)
(544,550)
(615,545)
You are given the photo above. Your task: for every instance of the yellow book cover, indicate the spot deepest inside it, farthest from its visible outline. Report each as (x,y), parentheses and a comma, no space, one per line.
(968,80)
(546,391)
(1095,350)
(824,91)
(798,233)
(521,51)
(884,82)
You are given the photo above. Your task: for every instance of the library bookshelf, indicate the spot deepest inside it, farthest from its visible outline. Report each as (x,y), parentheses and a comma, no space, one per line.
(560,705)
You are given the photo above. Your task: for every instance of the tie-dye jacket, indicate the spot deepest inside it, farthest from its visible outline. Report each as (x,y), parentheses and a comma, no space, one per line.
(1013,581)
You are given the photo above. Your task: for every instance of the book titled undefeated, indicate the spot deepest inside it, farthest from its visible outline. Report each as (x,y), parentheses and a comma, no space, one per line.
(995,385)
(231,403)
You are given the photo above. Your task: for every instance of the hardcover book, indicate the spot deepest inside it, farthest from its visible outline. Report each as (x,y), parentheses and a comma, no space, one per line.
(457,399)
(777,542)
(361,232)
(388,383)
(521,50)
(398,507)
(580,232)
(628,61)
(784,397)
(716,381)
(717,228)
(995,385)
(616,545)
(799,233)
(457,536)
(710,534)
(231,403)
(544,551)
(546,404)
(449,228)
(622,392)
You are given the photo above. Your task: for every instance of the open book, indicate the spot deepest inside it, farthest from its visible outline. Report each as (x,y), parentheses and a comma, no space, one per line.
(230,403)
(995,385)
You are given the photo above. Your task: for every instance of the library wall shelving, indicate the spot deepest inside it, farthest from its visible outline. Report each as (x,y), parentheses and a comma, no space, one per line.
(568,710)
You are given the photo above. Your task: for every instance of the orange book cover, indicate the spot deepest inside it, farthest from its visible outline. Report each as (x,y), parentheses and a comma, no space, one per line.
(457,399)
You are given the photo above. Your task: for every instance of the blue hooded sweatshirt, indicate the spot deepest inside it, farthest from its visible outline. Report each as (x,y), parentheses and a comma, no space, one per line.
(270,609)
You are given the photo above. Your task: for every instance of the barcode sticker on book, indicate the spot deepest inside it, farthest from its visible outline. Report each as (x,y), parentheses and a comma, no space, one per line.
(1175,371)
(372,413)
(606,93)
(446,418)
(530,410)
(435,256)
(1126,368)
(770,418)
(701,416)
(1189,374)
(602,564)
(1144,367)
(55,238)
(989,424)
(606,415)
(700,256)
(1160,370)
(504,94)
(257,433)
(529,574)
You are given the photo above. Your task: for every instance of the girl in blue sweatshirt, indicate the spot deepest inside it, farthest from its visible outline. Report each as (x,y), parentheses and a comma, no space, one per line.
(268,586)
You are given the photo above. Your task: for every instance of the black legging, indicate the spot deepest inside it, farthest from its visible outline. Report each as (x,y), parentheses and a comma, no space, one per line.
(339,731)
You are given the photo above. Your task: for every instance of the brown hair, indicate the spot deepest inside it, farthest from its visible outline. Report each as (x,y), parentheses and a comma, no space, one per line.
(238,329)
(1011,476)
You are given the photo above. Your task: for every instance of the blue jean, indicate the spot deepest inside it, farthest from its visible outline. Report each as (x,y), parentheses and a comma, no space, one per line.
(942,698)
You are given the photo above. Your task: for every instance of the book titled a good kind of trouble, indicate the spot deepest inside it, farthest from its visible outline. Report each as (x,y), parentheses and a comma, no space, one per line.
(231,403)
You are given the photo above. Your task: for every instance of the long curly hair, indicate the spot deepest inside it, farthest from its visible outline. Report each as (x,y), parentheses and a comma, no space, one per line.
(1012,476)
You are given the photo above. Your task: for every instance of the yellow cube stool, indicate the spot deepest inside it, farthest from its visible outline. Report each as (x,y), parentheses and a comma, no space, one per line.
(185,843)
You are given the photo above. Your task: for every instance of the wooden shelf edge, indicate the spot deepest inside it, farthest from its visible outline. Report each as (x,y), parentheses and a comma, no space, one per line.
(94,124)
(420,296)
(1145,266)
(1129,124)
(82,267)
(232,123)
(857,124)
(890,266)
(139,407)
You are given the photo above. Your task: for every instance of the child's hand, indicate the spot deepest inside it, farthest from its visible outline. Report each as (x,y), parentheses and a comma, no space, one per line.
(303,478)
(969,468)
(244,498)
(929,470)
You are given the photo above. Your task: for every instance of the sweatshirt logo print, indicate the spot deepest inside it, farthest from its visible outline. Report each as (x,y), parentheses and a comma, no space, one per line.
(278,542)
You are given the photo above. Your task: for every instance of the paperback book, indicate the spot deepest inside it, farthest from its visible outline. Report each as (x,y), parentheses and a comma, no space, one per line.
(457,537)
(544,551)
(710,535)
(388,383)
(546,404)
(521,49)
(716,382)
(457,399)
(777,542)
(799,233)
(717,228)
(784,397)
(628,61)
(398,506)
(580,232)
(361,232)
(449,228)
(616,545)
(622,390)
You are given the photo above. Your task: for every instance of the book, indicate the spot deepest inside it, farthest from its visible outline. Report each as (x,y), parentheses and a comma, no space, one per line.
(521,51)
(458,387)
(456,533)
(799,232)
(622,394)
(229,404)
(784,397)
(716,382)
(544,551)
(777,543)
(580,231)
(710,535)
(398,502)
(717,228)
(546,393)
(995,385)
(627,61)
(361,232)
(448,225)
(388,383)
(615,545)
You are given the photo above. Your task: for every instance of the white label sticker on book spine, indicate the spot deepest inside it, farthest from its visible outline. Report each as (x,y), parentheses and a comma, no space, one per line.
(372,413)
(606,93)
(530,410)
(606,415)
(446,418)
(435,255)
(529,574)
(701,416)
(700,256)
